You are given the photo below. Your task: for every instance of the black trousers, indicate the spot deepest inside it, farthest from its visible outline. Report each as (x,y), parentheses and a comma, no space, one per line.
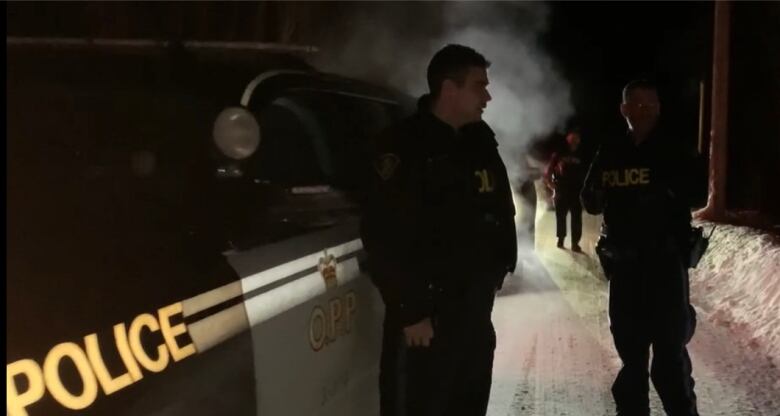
(451,377)
(565,204)
(390,367)
(649,307)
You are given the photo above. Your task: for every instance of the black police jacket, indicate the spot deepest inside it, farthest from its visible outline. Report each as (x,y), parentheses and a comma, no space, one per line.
(643,191)
(439,215)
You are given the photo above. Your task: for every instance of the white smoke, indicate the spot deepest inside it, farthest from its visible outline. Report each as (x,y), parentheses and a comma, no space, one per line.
(393,43)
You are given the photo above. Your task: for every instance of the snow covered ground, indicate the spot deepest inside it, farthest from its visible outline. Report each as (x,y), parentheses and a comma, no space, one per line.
(737,286)
(555,354)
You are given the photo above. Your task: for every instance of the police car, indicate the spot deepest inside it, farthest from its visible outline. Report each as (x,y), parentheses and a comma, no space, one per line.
(182,231)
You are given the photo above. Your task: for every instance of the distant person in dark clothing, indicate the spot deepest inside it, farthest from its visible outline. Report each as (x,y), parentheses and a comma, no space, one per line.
(564,176)
(527,193)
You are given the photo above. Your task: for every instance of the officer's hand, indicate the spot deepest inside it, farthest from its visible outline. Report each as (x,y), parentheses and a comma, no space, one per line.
(419,334)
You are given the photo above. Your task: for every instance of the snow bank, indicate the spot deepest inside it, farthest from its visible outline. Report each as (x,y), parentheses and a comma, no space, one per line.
(737,285)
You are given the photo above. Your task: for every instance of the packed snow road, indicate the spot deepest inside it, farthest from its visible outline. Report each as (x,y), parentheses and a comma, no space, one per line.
(555,354)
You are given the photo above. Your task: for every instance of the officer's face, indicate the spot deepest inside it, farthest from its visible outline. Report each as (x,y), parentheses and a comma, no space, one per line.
(472,97)
(641,109)
(574,140)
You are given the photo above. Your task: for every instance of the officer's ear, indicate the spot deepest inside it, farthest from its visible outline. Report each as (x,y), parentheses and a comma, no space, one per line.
(624,109)
(448,88)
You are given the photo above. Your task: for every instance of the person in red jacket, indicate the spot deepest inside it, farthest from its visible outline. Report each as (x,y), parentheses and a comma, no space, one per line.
(564,176)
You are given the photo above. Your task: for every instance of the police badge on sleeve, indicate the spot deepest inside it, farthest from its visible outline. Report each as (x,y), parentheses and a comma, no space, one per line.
(386,165)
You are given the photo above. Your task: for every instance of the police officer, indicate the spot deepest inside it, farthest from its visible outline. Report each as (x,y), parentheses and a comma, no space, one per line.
(564,177)
(640,183)
(440,236)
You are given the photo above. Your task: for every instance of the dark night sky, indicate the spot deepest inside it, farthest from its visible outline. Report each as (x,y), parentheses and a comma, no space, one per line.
(601,46)
(598,47)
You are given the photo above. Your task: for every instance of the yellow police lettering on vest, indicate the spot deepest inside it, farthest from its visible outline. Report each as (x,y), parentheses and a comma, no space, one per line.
(644,176)
(633,176)
(486,185)
(606,177)
(90,365)
(18,401)
(625,177)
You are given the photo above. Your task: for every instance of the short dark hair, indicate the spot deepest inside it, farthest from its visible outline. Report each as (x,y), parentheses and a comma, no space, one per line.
(638,84)
(453,62)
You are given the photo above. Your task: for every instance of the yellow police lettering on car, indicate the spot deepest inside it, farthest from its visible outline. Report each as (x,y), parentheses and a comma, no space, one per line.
(335,307)
(486,185)
(147,321)
(108,383)
(171,332)
(123,346)
(351,305)
(51,375)
(317,335)
(330,321)
(625,177)
(90,365)
(17,401)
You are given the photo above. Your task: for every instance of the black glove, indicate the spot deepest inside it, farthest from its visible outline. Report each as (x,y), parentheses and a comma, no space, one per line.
(698,244)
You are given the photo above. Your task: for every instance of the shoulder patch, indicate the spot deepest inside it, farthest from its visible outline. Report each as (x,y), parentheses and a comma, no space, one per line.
(386,164)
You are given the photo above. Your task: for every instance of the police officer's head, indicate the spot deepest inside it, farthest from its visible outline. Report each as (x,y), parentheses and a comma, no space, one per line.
(457,78)
(640,105)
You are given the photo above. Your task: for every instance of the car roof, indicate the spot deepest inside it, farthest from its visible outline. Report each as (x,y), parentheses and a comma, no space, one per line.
(214,72)
(213,69)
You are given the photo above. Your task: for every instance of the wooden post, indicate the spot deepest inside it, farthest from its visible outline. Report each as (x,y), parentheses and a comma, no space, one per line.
(716,201)
(700,147)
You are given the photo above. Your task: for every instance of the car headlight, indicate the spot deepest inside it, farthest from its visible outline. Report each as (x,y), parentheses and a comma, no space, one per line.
(236,133)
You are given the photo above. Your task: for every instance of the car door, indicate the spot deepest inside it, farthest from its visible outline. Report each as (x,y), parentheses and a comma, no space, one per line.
(314,317)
